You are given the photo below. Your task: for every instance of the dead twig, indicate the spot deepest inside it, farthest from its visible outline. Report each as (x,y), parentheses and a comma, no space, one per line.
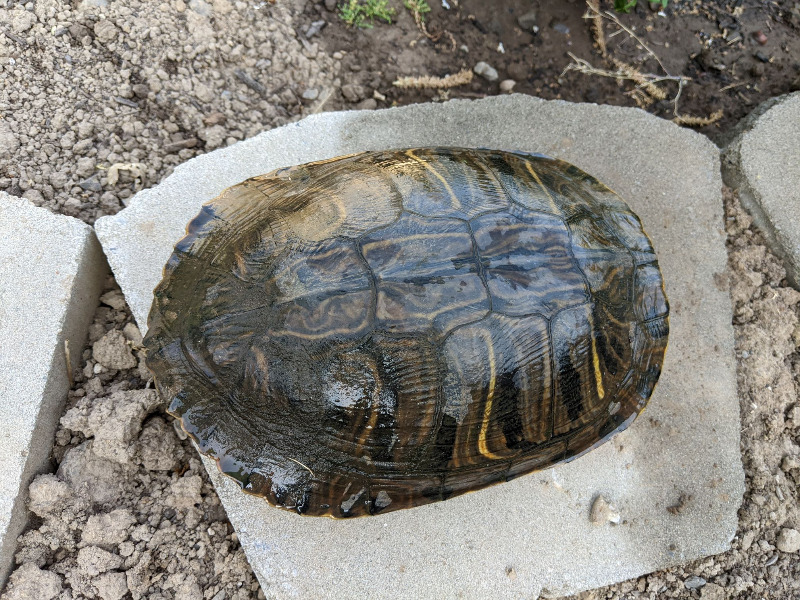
(611,16)
(584,66)
(463,77)
(647,89)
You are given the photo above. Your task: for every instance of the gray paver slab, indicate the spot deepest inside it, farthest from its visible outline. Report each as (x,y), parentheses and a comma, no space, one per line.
(687,442)
(51,273)
(763,163)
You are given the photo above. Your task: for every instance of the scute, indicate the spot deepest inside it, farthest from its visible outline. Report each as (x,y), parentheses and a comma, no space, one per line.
(389,329)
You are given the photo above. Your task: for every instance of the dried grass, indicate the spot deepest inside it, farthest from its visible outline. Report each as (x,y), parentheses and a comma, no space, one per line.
(597,25)
(692,121)
(645,81)
(463,77)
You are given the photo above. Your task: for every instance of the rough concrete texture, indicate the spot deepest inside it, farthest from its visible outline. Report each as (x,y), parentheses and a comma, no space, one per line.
(51,274)
(675,476)
(763,163)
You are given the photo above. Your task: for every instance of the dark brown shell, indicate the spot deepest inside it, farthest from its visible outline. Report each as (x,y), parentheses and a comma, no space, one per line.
(388,329)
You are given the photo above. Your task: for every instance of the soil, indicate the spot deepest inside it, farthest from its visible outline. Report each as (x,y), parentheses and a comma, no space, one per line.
(100,99)
(714,44)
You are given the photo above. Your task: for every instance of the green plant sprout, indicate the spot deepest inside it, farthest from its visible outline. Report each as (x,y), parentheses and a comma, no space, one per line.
(356,13)
(625,6)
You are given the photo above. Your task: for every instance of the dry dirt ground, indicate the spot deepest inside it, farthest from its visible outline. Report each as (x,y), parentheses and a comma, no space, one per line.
(100,98)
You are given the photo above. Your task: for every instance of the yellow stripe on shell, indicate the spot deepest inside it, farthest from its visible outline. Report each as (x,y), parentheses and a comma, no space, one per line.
(535,175)
(598,376)
(487,411)
(456,201)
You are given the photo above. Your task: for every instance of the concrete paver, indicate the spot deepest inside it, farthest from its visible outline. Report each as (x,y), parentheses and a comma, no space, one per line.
(532,535)
(763,163)
(51,272)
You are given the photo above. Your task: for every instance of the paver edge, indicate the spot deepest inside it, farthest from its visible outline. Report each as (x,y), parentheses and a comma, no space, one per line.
(733,176)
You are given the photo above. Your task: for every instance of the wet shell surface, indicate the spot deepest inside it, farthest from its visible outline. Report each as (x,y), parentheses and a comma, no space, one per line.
(389,329)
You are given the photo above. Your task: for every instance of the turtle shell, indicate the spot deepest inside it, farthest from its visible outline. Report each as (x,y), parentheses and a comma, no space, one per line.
(388,329)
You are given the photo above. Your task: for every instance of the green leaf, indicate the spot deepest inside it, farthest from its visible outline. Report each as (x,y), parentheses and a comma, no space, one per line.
(625,6)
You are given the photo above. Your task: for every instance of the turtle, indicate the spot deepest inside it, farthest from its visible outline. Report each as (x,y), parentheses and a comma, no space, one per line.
(387,329)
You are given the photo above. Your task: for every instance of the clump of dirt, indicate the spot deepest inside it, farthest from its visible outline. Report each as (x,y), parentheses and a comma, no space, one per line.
(130,511)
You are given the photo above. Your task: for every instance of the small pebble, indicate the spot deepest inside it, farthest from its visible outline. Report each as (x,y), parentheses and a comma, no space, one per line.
(527,21)
(790,462)
(761,56)
(105,31)
(331,4)
(140,90)
(132,333)
(694,582)
(771,560)
(561,28)
(712,591)
(214,118)
(788,540)
(603,512)
(91,184)
(353,92)
(85,166)
(114,299)
(486,71)
(200,7)
(760,37)
(310,94)
(315,28)
(507,85)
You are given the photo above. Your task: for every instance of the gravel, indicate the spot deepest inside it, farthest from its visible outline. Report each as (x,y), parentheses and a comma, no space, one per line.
(94,84)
